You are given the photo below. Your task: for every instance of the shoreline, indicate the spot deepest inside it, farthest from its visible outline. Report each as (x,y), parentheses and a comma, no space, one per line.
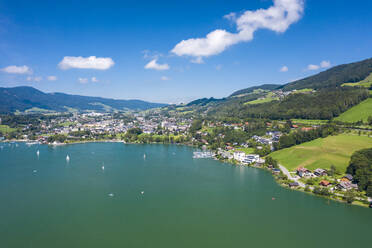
(231,162)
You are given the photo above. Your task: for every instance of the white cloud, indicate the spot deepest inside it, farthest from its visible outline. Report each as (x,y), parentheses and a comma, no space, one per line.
(277,18)
(284,69)
(153,64)
(231,16)
(94,79)
(325,64)
(83,80)
(197,60)
(38,79)
(13,69)
(52,78)
(34,79)
(312,67)
(164,78)
(91,62)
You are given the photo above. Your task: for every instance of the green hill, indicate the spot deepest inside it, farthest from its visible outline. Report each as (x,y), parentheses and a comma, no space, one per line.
(360,112)
(255,88)
(322,152)
(366,83)
(334,77)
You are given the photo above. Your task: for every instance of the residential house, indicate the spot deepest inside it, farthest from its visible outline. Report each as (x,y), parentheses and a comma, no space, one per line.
(320,172)
(303,172)
(324,183)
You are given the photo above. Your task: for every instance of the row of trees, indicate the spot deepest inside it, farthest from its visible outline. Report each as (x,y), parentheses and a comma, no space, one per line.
(361,168)
(299,137)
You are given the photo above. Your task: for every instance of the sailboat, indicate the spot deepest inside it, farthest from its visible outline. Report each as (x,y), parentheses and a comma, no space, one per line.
(144,156)
(38,153)
(67,158)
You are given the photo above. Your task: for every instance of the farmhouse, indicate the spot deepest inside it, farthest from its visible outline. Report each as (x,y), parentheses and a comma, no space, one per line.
(320,172)
(324,183)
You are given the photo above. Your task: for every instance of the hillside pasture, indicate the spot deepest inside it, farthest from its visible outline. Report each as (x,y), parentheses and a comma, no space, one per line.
(323,152)
(360,112)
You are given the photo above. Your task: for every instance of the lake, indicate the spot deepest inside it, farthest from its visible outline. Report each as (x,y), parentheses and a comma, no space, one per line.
(164,199)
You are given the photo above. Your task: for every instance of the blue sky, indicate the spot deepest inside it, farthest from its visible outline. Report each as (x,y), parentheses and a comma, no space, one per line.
(104,48)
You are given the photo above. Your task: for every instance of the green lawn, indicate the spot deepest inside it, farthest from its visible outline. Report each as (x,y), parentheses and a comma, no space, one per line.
(367,82)
(6,129)
(322,153)
(248,150)
(303,91)
(359,112)
(309,122)
(268,98)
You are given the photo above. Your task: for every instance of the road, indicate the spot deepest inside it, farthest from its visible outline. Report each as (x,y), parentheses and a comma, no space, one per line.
(286,172)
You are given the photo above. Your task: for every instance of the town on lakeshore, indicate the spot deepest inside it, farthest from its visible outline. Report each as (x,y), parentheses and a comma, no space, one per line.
(260,143)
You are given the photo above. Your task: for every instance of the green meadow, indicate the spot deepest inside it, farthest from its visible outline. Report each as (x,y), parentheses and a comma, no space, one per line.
(323,152)
(6,129)
(367,82)
(268,98)
(309,122)
(359,112)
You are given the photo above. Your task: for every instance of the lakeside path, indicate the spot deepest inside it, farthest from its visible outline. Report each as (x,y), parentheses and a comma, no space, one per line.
(286,172)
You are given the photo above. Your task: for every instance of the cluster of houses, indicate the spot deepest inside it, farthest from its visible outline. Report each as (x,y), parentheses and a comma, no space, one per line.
(345,183)
(241,157)
(102,123)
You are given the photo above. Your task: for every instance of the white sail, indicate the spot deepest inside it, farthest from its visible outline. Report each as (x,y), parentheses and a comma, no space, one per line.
(38,153)
(67,158)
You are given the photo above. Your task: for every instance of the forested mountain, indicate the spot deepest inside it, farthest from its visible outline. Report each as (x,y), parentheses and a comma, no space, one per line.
(334,77)
(317,97)
(252,89)
(24,98)
(324,104)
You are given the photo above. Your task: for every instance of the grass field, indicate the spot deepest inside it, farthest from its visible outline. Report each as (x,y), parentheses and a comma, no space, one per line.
(322,153)
(6,129)
(309,122)
(359,112)
(248,150)
(364,83)
(268,98)
(303,91)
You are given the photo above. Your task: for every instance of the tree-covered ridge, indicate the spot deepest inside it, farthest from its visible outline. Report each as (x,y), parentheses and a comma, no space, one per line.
(324,104)
(252,89)
(361,168)
(334,77)
(23,98)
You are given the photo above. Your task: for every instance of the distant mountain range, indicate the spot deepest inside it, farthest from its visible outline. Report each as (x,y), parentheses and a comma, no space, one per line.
(29,99)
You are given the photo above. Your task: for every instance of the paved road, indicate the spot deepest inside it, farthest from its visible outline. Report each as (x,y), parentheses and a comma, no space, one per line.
(286,172)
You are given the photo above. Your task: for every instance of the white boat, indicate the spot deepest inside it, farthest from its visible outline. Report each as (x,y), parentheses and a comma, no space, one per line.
(68,158)
(38,153)
(142,192)
(144,156)
(103,167)
(32,143)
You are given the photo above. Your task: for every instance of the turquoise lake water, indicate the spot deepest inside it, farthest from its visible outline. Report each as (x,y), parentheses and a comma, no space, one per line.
(47,202)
